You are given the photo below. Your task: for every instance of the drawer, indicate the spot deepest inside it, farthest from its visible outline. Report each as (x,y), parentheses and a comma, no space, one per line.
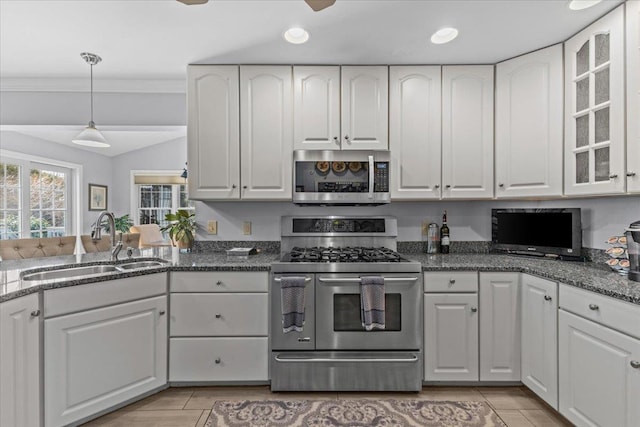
(219,281)
(616,314)
(100,294)
(451,281)
(200,314)
(218,359)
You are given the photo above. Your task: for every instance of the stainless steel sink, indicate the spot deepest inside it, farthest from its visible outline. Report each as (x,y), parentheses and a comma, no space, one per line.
(140,264)
(70,273)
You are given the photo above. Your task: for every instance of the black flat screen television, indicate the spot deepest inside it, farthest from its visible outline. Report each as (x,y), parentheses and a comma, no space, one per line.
(537,231)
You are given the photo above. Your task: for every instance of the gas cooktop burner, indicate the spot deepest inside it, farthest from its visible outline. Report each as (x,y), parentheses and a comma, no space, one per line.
(344,254)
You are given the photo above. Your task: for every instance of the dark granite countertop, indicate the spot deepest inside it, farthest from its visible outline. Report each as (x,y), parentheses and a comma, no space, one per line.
(589,276)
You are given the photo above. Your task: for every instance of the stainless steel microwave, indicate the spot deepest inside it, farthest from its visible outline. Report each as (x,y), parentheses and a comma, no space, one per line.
(327,177)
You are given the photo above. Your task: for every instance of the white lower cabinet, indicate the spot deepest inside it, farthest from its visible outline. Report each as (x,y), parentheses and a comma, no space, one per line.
(20,362)
(98,358)
(219,327)
(539,370)
(499,326)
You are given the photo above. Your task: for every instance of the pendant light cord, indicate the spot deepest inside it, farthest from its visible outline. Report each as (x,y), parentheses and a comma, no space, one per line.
(91,94)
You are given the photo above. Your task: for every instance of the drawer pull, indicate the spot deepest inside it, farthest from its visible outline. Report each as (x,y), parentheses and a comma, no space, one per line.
(452,281)
(593,307)
(161,312)
(219,282)
(35,313)
(218,315)
(635,364)
(547,298)
(474,309)
(218,360)
(631,173)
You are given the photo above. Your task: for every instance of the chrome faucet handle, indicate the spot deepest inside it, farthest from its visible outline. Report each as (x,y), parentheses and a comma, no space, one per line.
(116,250)
(129,252)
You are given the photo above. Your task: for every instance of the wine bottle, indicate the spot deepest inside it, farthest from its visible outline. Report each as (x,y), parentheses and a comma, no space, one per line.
(444,235)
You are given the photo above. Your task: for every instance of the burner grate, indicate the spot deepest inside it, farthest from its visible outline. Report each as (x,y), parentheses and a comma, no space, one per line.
(343,254)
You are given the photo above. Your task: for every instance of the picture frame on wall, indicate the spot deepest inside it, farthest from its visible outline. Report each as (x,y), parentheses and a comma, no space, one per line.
(97,197)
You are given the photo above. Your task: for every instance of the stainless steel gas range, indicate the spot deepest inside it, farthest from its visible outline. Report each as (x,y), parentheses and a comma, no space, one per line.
(327,257)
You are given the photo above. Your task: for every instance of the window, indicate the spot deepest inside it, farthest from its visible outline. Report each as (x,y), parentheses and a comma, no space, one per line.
(158,195)
(39,209)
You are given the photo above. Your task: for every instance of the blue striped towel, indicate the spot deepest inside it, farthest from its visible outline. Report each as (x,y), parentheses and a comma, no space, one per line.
(292,302)
(372,302)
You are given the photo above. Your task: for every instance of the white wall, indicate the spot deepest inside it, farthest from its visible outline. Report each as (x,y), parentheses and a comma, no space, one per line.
(96,168)
(468,220)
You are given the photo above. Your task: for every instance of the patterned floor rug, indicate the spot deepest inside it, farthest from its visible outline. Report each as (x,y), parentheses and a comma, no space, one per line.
(351,413)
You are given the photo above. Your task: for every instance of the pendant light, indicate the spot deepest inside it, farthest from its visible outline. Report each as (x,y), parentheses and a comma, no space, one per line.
(90,136)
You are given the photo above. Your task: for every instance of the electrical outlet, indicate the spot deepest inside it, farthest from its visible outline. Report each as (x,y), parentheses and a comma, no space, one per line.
(425,228)
(246,228)
(212,227)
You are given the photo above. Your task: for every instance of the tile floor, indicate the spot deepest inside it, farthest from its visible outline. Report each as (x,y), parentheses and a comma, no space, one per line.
(190,406)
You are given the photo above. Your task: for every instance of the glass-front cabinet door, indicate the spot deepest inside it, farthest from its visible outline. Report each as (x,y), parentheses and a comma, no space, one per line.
(594,107)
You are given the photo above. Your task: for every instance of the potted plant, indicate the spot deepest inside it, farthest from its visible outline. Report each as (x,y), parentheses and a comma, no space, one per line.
(181,228)
(123,223)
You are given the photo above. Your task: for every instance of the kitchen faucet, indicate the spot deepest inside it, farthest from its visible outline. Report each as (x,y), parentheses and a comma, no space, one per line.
(96,233)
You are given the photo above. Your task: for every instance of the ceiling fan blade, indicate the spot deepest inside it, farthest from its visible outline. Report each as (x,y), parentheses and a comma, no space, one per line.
(318,5)
(193,2)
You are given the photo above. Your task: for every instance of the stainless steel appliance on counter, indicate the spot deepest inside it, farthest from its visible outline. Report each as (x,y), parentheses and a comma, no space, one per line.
(334,351)
(334,177)
(633,250)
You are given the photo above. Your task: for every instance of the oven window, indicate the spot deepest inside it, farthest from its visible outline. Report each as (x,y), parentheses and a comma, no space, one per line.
(346,313)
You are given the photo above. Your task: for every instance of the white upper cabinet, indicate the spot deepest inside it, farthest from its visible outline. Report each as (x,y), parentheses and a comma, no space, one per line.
(467,132)
(633,96)
(266,125)
(414,131)
(594,108)
(529,125)
(365,93)
(316,112)
(213,137)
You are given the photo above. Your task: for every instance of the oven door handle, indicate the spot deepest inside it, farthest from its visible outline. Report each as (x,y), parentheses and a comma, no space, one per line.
(411,359)
(357,279)
(371,177)
(306,279)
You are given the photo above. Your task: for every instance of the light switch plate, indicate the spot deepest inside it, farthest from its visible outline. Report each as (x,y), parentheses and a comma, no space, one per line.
(246,228)
(212,227)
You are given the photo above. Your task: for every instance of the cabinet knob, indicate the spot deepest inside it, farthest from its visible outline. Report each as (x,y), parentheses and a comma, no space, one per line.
(218,315)
(244,187)
(335,139)
(436,186)
(593,307)
(161,312)
(635,364)
(234,186)
(631,173)
(35,313)
(452,281)
(613,176)
(447,186)
(474,309)
(547,298)
(219,282)
(346,137)
(501,185)
(218,360)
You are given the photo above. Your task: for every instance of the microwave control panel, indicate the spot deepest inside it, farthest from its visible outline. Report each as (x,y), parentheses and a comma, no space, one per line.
(381,177)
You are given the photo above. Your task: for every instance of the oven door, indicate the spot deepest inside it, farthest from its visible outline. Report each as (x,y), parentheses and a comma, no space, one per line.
(338,324)
(292,340)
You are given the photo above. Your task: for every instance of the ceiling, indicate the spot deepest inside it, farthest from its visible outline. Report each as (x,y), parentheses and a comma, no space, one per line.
(153,41)
(146,39)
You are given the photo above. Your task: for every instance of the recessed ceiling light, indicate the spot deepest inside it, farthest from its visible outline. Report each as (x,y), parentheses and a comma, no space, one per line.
(444,35)
(582,4)
(296,35)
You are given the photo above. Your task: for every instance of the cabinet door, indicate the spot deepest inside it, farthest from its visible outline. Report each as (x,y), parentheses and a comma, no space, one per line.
(633,96)
(539,337)
(365,93)
(499,326)
(529,124)
(20,362)
(98,358)
(414,131)
(594,108)
(451,337)
(213,132)
(316,112)
(266,128)
(467,132)
(598,384)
